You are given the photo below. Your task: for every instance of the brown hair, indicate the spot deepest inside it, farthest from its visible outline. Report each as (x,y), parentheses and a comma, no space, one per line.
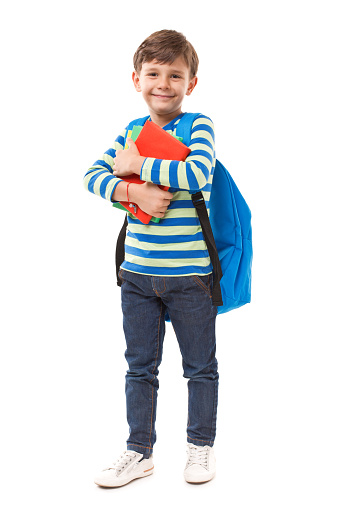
(164,47)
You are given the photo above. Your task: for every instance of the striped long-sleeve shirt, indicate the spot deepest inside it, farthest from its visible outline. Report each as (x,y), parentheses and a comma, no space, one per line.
(175,246)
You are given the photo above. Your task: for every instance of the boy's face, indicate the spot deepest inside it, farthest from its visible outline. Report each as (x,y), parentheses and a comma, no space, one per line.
(164,86)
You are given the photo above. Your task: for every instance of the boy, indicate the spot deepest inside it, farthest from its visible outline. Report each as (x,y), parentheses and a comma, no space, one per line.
(167,267)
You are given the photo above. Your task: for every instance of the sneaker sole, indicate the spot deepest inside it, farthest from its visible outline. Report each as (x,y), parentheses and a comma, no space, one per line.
(194,480)
(127,479)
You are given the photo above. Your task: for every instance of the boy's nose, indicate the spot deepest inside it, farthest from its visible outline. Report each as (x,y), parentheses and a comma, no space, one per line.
(163,83)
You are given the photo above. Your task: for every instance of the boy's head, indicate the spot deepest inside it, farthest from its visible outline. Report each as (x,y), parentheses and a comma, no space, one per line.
(164,47)
(165,71)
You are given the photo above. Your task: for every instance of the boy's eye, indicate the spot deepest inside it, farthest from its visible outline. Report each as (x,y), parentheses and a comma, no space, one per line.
(155,74)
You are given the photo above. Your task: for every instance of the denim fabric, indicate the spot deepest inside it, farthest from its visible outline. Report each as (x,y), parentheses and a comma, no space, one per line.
(187,299)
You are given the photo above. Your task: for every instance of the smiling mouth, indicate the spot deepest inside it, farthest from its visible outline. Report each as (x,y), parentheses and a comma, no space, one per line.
(163,96)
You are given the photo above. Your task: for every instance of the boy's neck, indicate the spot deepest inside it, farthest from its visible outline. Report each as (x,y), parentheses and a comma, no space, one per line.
(162,120)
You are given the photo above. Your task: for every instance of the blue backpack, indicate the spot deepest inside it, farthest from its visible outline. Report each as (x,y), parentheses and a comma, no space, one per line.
(231,239)
(227,232)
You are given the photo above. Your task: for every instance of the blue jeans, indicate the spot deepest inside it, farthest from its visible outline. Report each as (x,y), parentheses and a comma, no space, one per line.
(187,299)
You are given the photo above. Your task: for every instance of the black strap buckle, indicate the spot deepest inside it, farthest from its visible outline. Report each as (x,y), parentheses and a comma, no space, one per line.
(196,197)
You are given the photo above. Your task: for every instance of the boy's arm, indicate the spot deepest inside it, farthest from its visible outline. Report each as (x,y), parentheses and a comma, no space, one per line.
(99,179)
(192,174)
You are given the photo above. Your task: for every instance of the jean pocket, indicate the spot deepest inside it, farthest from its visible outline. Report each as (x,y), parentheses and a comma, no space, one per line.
(203,282)
(121,277)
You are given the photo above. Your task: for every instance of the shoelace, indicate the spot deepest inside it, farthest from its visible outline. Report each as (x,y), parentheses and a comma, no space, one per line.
(197,456)
(122,461)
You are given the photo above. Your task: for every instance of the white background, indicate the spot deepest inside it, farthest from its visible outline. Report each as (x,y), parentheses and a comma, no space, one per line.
(268,78)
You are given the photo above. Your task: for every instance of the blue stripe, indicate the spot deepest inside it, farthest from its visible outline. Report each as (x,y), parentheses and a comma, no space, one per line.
(101,162)
(155,171)
(104,185)
(173,174)
(202,141)
(203,168)
(203,127)
(163,271)
(201,153)
(93,179)
(169,239)
(192,179)
(181,221)
(111,152)
(166,254)
(181,204)
(187,204)
(120,140)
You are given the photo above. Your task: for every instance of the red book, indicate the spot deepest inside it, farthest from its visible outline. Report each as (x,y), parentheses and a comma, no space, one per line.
(153,141)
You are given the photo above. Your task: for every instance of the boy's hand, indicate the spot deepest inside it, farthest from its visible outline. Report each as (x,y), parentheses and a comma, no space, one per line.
(150,198)
(127,161)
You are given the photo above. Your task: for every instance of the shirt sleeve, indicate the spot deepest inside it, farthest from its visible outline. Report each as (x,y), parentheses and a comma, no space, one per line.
(191,174)
(99,179)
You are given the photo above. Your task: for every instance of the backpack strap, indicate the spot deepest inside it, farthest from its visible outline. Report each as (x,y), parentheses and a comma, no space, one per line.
(120,247)
(184,129)
(200,206)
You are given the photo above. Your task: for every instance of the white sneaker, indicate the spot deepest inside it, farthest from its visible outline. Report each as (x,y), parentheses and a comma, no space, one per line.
(129,466)
(200,466)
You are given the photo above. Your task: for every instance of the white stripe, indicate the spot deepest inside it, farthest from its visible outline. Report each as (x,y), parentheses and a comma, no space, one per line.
(203,134)
(201,146)
(109,188)
(97,183)
(164,171)
(181,213)
(164,231)
(167,262)
(182,176)
(199,245)
(202,159)
(169,274)
(147,167)
(202,121)
(90,175)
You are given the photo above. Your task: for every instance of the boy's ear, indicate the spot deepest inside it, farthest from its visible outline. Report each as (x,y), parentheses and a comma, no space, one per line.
(192,85)
(136,81)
